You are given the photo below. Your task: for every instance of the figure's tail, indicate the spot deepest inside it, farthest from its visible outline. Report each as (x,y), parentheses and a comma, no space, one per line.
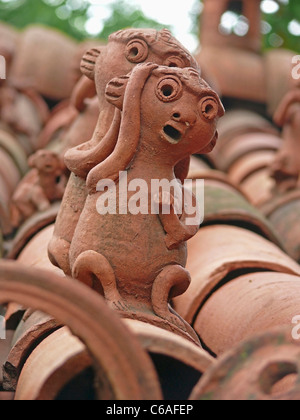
(95,271)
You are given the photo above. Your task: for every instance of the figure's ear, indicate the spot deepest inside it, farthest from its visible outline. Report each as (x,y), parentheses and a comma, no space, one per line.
(88,62)
(115,91)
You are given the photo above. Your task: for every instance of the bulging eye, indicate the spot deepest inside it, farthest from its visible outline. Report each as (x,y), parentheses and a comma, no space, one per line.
(169,89)
(209,108)
(175,62)
(136,51)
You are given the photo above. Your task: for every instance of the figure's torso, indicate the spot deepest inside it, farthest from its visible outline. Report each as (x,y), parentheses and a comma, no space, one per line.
(134,244)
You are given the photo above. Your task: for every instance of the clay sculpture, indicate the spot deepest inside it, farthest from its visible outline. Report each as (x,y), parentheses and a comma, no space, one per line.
(137,260)
(124,51)
(41,187)
(286,166)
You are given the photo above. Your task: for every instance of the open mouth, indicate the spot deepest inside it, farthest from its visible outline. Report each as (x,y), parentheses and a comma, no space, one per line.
(48,167)
(173,135)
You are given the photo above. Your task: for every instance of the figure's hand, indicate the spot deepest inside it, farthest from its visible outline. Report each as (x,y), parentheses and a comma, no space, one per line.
(143,71)
(39,199)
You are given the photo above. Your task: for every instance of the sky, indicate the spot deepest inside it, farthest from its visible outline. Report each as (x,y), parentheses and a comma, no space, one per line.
(175,13)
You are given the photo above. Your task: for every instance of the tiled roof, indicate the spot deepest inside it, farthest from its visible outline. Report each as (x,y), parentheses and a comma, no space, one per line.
(238,335)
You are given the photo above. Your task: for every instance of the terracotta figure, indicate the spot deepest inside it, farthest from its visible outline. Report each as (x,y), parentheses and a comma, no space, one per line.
(137,261)
(124,51)
(41,187)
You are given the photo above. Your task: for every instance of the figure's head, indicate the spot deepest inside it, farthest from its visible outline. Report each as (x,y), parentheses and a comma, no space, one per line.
(47,162)
(186,110)
(130,47)
(179,111)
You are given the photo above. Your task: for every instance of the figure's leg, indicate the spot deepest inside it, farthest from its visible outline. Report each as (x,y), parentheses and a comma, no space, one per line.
(66,222)
(171,282)
(95,271)
(39,199)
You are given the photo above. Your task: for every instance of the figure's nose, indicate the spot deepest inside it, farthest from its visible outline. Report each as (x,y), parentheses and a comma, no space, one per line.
(187,117)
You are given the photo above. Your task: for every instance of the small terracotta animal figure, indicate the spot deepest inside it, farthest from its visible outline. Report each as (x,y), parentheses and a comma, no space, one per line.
(137,260)
(41,187)
(286,167)
(123,52)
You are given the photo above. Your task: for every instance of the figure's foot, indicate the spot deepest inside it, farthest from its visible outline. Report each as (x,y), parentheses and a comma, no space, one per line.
(171,282)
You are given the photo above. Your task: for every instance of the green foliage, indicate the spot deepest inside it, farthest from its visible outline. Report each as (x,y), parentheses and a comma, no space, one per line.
(276,26)
(280,22)
(70,16)
(55,13)
(124,16)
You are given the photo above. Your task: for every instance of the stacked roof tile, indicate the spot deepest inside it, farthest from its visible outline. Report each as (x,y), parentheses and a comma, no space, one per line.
(62,341)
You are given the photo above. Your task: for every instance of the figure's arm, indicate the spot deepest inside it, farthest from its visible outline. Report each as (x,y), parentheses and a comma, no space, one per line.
(39,199)
(174,224)
(85,88)
(81,159)
(182,169)
(129,131)
(15,215)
